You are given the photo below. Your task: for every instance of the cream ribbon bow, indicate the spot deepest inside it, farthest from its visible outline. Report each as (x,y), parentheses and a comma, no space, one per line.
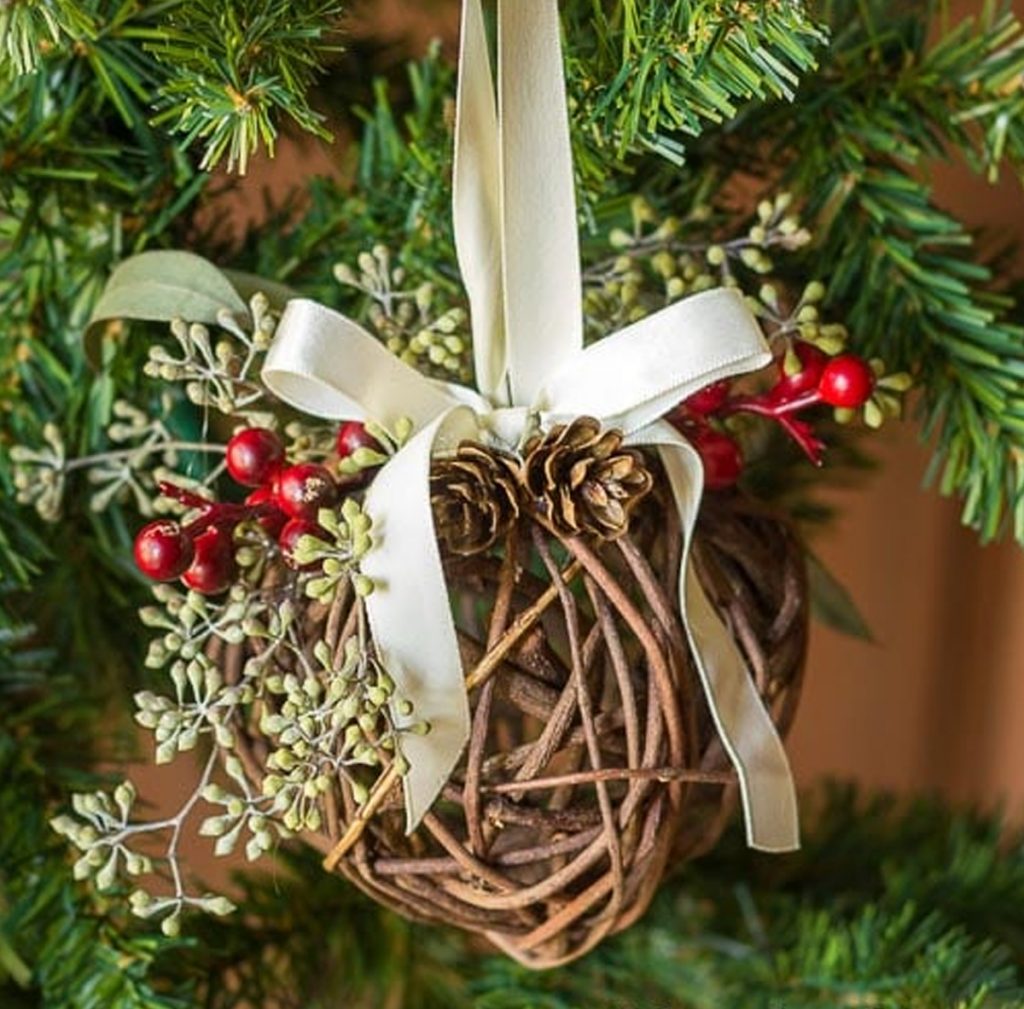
(516,236)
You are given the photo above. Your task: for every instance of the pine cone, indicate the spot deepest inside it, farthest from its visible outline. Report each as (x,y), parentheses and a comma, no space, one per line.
(475,497)
(583,481)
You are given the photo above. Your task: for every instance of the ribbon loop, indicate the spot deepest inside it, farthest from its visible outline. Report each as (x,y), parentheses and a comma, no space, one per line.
(476,205)
(635,376)
(747,734)
(327,365)
(540,235)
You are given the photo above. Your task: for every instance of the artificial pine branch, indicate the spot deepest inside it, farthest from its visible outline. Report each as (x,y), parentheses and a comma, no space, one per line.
(31,28)
(235,69)
(647,75)
(223,75)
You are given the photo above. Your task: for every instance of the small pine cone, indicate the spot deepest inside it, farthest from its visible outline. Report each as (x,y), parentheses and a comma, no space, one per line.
(475,497)
(583,481)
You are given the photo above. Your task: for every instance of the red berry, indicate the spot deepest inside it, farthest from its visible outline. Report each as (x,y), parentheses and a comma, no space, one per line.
(710,399)
(292,533)
(847,382)
(813,363)
(301,491)
(271,518)
(722,458)
(213,569)
(254,456)
(352,435)
(163,551)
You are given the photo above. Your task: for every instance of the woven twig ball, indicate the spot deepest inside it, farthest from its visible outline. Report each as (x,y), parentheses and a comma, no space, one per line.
(593,763)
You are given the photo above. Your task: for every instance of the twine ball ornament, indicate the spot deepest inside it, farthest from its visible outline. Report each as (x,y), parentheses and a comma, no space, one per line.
(593,764)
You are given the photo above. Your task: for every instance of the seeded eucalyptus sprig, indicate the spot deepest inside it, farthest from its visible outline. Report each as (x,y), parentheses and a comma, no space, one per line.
(221,372)
(102,832)
(410,318)
(327,714)
(337,559)
(146,450)
(661,257)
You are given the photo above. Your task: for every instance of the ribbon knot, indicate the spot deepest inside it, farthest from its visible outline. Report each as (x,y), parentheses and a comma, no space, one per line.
(516,238)
(508,425)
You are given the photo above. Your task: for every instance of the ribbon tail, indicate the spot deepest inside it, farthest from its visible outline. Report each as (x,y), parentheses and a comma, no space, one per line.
(747,732)
(410,613)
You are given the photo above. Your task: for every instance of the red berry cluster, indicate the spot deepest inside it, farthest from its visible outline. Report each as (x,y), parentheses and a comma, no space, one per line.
(845,382)
(285,501)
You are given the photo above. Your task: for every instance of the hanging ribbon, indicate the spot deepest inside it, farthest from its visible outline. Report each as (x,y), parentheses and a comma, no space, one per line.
(516,236)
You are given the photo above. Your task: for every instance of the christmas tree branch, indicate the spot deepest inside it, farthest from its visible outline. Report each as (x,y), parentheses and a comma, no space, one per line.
(902,271)
(645,75)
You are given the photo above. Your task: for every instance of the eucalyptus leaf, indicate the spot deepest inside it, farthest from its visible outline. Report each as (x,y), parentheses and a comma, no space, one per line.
(161,286)
(832,604)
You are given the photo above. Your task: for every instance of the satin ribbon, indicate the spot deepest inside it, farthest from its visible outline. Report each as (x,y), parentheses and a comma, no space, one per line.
(516,237)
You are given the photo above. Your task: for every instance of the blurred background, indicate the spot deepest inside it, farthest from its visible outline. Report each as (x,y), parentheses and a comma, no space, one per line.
(936,702)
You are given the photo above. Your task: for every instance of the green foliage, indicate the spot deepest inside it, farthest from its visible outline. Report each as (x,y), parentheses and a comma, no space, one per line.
(237,68)
(399,195)
(643,74)
(56,947)
(223,75)
(31,27)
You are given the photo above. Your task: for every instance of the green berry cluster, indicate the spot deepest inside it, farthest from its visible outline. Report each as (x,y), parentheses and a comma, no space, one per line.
(221,373)
(337,559)
(411,321)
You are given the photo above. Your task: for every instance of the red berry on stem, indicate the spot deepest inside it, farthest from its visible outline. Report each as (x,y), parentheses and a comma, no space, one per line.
(271,518)
(213,569)
(813,363)
(352,435)
(254,456)
(288,541)
(722,458)
(163,551)
(847,382)
(301,491)
(710,399)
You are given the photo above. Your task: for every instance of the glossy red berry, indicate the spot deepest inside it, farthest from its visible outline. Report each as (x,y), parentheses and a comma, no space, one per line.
(254,456)
(813,363)
(213,568)
(301,491)
(847,382)
(353,435)
(290,535)
(271,518)
(710,399)
(163,551)
(722,458)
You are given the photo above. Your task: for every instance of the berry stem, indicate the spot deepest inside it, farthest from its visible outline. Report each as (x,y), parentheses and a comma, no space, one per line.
(211,513)
(782,413)
(83,462)
(185,497)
